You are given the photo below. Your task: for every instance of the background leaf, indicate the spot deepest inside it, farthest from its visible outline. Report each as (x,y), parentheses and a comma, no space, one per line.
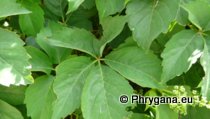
(56,6)
(56,54)
(73,5)
(11,7)
(88,4)
(74,38)
(13,95)
(40,103)
(140,116)
(39,60)
(9,112)
(182,50)
(205,62)
(109,7)
(165,112)
(196,113)
(199,18)
(149,18)
(31,24)
(112,26)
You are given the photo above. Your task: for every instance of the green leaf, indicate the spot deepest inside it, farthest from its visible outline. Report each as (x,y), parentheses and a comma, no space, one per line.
(88,4)
(81,18)
(197,113)
(39,98)
(137,66)
(165,112)
(149,18)
(182,50)
(140,116)
(39,60)
(129,42)
(74,38)
(109,7)
(56,54)
(9,112)
(13,95)
(14,65)
(112,26)
(205,62)
(68,85)
(126,33)
(100,97)
(198,11)
(73,5)
(56,6)
(192,78)
(31,24)
(11,7)
(182,17)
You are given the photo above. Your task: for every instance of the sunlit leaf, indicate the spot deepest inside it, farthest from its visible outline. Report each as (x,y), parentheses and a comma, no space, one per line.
(11,7)
(73,5)
(14,64)
(181,51)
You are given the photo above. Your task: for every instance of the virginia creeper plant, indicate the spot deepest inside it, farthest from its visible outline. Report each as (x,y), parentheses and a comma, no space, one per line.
(73,59)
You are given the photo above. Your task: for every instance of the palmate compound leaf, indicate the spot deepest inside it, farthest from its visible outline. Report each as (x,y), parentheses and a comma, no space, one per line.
(9,112)
(149,18)
(40,97)
(181,51)
(134,64)
(68,85)
(205,62)
(100,96)
(11,7)
(14,64)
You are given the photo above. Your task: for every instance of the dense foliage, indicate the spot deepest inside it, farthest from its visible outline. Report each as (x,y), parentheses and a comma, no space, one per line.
(73,59)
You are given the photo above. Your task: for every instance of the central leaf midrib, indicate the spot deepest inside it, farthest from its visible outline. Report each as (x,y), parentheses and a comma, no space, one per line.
(106,101)
(75,82)
(148,75)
